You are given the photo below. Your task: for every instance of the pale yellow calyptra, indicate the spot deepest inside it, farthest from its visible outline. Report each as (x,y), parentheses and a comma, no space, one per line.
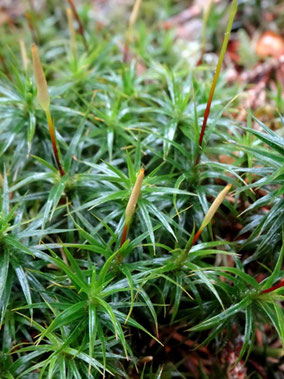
(134,13)
(24,55)
(134,197)
(44,101)
(42,89)
(132,20)
(209,215)
(214,206)
(72,33)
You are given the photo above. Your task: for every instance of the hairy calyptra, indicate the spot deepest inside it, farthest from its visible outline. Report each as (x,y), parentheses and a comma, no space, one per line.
(44,101)
(130,209)
(211,211)
(132,21)
(72,33)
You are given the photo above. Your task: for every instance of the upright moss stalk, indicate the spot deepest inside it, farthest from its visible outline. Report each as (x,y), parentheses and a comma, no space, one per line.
(233,12)
(32,27)
(130,209)
(80,25)
(132,21)
(212,210)
(44,101)
(24,55)
(206,12)
(72,33)
(208,217)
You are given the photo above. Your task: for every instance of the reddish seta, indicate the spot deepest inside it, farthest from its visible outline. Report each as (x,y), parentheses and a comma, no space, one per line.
(273,288)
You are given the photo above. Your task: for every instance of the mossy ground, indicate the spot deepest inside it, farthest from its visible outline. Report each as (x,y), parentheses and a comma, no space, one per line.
(74,302)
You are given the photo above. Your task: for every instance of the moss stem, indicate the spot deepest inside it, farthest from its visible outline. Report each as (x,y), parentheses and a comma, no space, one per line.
(53,141)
